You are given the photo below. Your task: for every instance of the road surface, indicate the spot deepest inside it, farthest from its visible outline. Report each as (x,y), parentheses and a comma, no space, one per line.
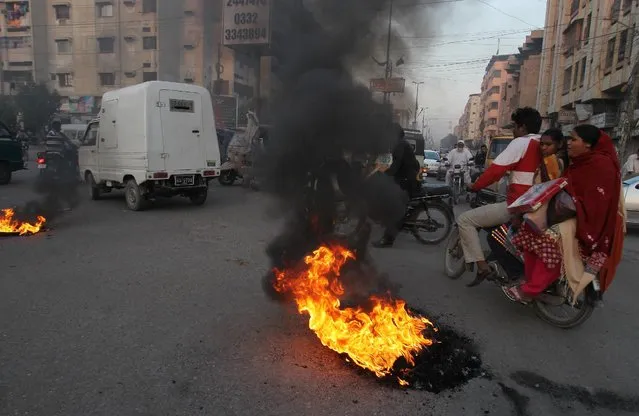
(161,312)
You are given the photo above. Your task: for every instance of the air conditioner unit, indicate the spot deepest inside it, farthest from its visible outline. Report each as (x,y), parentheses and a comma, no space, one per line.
(62,22)
(129,3)
(130,74)
(129,38)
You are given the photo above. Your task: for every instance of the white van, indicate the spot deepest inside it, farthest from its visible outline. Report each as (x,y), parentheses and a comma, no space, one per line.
(152,139)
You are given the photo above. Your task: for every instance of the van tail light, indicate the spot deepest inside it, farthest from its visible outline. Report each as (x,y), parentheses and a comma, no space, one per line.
(160,175)
(208,173)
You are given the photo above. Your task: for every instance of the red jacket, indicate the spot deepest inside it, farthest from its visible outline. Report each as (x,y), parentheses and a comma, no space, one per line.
(521,158)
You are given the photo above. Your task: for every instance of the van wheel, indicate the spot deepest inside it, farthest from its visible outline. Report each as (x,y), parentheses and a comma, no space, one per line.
(5,173)
(198,198)
(133,194)
(92,187)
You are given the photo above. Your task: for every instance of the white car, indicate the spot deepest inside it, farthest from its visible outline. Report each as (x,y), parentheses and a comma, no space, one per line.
(432,161)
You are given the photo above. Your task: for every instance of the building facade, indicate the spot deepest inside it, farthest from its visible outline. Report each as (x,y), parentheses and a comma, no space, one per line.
(520,88)
(491,101)
(586,61)
(469,122)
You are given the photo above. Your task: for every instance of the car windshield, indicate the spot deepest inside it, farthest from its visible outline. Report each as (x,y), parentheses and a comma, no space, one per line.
(631,181)
(497,146)
(431,155)
(4,133)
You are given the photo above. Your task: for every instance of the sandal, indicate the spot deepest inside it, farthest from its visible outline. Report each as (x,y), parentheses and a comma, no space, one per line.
(515,294)
(481,276)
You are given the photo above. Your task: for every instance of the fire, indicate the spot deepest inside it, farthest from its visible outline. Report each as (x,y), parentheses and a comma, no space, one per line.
(10,225)
(373,339)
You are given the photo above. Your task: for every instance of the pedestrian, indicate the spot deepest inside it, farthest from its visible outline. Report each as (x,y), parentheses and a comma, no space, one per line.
(632,165)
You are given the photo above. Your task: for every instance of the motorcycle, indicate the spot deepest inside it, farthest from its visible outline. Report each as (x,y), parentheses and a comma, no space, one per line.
(507,265)
(229,174)
(457,179)
(55,178)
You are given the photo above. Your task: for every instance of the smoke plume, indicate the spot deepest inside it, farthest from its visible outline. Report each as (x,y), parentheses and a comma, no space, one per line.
(323,112)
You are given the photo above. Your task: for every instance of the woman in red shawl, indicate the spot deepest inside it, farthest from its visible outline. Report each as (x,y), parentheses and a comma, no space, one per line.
(594,182)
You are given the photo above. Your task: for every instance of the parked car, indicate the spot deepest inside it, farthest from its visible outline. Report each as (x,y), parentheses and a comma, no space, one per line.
(11,155)
(631,195)
(431,163)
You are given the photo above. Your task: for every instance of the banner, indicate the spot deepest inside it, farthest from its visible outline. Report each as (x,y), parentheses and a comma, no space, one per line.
(225,111)
(246,22)
(388,85)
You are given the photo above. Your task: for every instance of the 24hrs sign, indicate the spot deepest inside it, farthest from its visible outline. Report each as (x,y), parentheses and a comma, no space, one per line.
(246,22)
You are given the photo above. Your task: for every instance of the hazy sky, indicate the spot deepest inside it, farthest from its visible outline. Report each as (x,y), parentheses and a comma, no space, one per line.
(451,44)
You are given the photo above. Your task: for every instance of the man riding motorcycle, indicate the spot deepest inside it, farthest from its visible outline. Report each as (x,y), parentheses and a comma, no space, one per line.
(458,156)
(404,170)
(521,158)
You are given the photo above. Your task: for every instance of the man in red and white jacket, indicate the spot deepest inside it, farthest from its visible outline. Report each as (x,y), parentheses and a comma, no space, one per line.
(521,158)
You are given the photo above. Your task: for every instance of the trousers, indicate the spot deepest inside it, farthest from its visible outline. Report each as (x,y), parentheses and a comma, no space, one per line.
(468,222)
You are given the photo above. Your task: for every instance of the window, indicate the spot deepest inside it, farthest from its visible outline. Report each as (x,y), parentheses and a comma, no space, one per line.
(494,90)
(4,133)
(567,79)
(496,74)
(91,137)
(574,7)
(494,105)
(492,121)
(107,79)
(149,6)
(104,9)
(181,106)
(615,10)
(65,80)
(623,41)
(582,78)
(15,42)
(627,6)
(62,11)
(587,29)
(149,42)
(106,45)
(63,45)
(149,76)
(146,29)
(610,53)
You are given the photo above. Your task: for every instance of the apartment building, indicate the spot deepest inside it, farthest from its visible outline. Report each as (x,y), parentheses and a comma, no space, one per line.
(491,101)
(586,61)
(82,48)
(469,122)
(520,88)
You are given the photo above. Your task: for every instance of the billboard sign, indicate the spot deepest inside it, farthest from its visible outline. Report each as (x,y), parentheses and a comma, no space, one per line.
(388,85)
(246,22)
(225,110)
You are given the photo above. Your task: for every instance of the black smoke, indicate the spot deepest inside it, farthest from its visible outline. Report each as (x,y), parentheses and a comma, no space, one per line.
(322,112)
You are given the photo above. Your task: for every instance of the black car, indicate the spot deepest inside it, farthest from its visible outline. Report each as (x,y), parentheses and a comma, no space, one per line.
(11,155)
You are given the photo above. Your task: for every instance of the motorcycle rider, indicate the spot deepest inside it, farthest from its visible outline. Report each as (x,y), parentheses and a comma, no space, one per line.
(521,158)
(480,157)
(459,156)
(404,170)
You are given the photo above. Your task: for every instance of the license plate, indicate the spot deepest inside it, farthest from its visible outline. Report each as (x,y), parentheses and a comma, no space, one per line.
(185,180)
(42,166)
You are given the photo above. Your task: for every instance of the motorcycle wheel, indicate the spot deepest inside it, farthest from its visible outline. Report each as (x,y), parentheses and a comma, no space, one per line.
(581,312)
(454,263)
(423,228)
(227,177)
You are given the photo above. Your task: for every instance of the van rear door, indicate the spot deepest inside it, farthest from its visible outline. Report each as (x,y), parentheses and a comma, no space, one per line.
(181,119)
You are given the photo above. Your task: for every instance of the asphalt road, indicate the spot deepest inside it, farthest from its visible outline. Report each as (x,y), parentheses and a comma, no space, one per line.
(162,313)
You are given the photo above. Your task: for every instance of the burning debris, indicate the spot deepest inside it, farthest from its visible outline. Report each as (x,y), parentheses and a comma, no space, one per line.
(382,336)
(10,225)
(374,337)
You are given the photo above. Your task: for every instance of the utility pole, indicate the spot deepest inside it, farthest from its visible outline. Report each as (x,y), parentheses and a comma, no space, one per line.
(389,65)
(417,84)
(627,106)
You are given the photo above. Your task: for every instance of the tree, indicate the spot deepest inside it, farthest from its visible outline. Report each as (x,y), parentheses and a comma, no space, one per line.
(37,105)
(8,111)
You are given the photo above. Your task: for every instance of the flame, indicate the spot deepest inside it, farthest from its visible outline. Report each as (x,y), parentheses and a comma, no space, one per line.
(373,339)
(10,225)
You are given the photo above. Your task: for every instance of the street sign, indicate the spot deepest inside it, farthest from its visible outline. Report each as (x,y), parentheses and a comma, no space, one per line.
(246,22)
(388,85)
